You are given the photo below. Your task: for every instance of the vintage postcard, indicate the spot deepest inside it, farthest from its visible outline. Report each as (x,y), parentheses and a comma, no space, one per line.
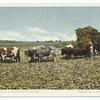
(49,49)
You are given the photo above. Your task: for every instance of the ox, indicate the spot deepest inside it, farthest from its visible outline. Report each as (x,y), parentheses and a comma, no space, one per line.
(67,51)
(10,52)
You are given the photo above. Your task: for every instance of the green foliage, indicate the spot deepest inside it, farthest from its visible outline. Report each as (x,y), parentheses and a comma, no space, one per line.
(27,45)
(64,43)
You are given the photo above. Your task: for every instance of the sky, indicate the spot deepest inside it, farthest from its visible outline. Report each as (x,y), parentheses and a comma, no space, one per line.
(46,23)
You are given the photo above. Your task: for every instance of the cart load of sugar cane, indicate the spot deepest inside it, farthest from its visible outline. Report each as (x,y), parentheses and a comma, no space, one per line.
(86,35)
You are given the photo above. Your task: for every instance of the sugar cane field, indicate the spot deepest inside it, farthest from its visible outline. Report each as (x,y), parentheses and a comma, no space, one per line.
(61,74)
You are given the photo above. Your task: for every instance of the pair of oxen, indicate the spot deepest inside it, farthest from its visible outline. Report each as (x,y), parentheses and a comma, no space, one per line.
(37,53)
(89,51)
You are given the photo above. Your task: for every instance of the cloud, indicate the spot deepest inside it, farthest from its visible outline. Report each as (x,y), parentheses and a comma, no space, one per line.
(34,34)
(47,35)
(18,36)
(13,35)
(36,29)
(10,35)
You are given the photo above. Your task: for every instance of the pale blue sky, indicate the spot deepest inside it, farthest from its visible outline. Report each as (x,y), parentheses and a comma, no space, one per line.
(46,23)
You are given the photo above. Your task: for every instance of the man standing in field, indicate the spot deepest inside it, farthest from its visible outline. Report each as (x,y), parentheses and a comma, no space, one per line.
(91,50)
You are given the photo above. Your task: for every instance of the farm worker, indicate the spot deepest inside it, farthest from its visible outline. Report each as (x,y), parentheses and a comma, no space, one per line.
(91,51)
